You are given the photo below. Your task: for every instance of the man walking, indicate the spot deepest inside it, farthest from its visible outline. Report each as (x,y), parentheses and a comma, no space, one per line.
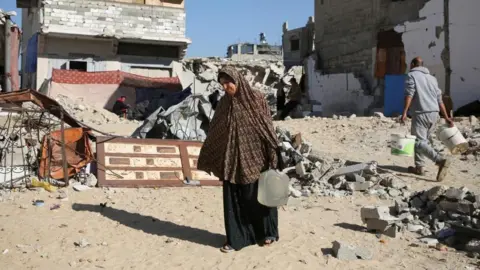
(425,98)
(295,97)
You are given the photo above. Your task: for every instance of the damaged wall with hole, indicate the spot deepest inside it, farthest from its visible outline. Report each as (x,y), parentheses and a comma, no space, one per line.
(346,43)
(454,49)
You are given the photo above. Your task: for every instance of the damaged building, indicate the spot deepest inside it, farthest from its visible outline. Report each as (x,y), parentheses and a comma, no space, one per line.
(253,51)
(141,37)
(363,49)
(298,43)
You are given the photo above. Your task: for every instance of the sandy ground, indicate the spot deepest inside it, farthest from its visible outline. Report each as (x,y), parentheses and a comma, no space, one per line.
(183,228)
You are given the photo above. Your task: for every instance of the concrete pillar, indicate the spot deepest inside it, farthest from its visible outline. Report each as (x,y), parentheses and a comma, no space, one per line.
(285,27)
(8,58)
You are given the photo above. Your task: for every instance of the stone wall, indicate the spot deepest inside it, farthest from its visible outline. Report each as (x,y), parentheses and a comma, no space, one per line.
(306,37)
(121,20)
(346,37)
(345,33)
(341,93)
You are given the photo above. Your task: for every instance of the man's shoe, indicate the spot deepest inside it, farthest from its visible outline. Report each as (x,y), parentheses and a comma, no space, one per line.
(443,166)
(416,170)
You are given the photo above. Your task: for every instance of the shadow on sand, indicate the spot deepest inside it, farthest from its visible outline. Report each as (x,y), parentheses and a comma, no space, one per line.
(155,226)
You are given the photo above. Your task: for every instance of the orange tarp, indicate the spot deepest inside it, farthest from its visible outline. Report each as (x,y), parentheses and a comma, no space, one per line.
(77,149)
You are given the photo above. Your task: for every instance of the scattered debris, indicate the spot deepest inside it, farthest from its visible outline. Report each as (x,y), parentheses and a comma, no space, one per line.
(82,243)
(80,187)
(347,252)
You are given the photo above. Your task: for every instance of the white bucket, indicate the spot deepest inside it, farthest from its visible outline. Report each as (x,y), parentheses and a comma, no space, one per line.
(453,139)
(402,145)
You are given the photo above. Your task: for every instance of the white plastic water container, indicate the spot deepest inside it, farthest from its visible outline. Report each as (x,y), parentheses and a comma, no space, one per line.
(273,188)
(402,145)
(453,139)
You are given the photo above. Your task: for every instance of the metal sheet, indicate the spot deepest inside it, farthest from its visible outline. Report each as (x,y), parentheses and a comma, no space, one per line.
(128,162)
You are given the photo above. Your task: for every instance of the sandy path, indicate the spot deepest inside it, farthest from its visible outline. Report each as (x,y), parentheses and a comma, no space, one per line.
(182,228)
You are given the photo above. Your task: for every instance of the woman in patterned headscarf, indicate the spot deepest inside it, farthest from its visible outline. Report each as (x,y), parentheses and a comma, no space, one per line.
(241,143)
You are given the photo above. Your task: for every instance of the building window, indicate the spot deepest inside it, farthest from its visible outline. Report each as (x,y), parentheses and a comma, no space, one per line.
(294,45)
(78,65)
(247,49)
(151,50)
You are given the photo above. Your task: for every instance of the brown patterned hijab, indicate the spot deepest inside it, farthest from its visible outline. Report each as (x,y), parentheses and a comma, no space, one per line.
(241,141)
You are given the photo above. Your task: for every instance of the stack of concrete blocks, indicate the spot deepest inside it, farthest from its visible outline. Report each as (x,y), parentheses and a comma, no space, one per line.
(380,220)
(122,20)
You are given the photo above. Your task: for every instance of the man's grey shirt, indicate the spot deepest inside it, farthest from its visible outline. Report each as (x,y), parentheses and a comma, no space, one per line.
(424,90)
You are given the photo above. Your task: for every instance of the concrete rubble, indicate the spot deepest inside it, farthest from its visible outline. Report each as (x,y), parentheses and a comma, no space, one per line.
(348,252)
(446,214)
(312,173)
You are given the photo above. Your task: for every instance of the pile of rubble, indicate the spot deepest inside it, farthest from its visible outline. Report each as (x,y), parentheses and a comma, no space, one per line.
(88,114)
(313,173)
(263,75)
(451,215)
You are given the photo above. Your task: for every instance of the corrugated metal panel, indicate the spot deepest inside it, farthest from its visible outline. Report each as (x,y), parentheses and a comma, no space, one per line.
(127,162)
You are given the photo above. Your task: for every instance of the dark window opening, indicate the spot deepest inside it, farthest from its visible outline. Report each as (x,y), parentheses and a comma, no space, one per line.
(78,65)
(152,50)
(247,49)
(390,54)
(295,45)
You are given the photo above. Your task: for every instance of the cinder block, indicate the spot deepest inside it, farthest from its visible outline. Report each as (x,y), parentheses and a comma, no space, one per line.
(371,212)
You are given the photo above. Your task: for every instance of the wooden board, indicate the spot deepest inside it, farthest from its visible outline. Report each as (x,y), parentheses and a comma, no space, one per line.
(128,162)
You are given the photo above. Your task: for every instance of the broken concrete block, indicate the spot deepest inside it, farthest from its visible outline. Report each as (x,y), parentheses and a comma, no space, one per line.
(338,182)
(435,192)
(406,217)
(353,177)
(400,206)
(378,224)
(394,192)
(416,202)
(395,183)
(425,232)
(350,169)
(473,120)
(347,252)
(456,193)
(300,169)
(286,146)
(297,157)
(473,245)
(431,242)
(305,149)
(414,228)
(207,76)
(391,231)
(344,251)
(316,174)
(355,186)
(294,192)
(371,212)
(463,207)
(363,253)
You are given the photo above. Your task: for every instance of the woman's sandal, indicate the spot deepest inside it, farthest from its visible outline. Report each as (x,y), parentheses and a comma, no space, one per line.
(227,249)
